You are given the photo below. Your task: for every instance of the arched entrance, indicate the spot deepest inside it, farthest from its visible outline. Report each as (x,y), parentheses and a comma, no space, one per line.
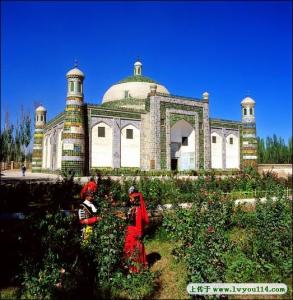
(182,146)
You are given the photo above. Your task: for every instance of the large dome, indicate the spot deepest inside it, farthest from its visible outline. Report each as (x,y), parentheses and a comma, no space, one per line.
(136,86)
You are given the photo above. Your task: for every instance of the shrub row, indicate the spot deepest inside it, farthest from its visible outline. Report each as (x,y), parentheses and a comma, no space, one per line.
(139,172)
(65,194)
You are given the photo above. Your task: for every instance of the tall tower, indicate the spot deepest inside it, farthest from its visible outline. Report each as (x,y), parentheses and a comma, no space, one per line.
(73,151)
(249,141)
(40,123)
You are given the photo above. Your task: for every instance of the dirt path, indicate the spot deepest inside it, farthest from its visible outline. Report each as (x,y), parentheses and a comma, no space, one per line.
(171,282)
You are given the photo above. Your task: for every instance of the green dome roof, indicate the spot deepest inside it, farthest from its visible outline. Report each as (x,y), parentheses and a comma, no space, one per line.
(136,86)
(137,78)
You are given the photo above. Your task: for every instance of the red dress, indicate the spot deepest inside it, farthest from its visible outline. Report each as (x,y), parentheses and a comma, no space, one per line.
(133,246)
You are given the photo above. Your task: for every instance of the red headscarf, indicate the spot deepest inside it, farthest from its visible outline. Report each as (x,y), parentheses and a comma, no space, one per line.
(142,218)
(89,186)
(133,246)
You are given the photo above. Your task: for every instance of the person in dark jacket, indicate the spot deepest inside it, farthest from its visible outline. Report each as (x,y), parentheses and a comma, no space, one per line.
(23,169)
(87,214)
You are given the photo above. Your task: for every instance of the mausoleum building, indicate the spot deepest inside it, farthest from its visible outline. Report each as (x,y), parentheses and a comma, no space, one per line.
(140,124)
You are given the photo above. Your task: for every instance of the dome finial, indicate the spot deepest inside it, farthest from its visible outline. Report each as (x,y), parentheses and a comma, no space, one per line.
(137,67)
(247,93)
(75,63)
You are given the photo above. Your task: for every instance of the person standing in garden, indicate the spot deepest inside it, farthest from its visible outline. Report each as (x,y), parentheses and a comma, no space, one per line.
(87,214)
(23,169)
(134,251)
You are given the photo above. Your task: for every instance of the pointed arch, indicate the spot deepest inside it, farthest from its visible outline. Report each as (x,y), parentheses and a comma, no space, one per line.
(216,150)
(183,145)
(59,149)
(101,145)
(130,146)
(232,151)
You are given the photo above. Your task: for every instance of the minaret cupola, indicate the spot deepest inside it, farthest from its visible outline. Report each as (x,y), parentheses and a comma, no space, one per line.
(248,105)
(40,116)
(75,79)
(137,68)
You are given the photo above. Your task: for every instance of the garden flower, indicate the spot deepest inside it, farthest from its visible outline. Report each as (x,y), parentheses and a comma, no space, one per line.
(58,285)
(62,271)
(211,229)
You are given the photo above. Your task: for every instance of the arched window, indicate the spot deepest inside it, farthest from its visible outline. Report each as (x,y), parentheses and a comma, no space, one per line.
(78,87)
(250,111)
(71,86)
(129,134)
(245,111)
(101,131)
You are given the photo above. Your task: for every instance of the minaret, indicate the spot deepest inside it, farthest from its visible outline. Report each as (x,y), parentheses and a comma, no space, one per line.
(249,141)
(137,71)
(40,123)
(73,151)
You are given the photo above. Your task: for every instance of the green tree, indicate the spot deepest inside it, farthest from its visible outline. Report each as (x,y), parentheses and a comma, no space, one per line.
(7,140)
(274,150)
(25,132)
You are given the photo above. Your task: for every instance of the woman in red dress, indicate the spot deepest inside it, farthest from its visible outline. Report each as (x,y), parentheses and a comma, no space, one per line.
(134,251)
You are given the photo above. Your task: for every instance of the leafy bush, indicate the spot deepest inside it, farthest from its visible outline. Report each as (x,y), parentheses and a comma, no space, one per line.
(133,286)
(223,244)
(104,249)
(200,232)
(57,264)
(51,264)
(240,269)
(272,243)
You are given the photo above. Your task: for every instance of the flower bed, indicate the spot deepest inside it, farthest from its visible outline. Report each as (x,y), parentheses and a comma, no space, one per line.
(216,241)
(222,244)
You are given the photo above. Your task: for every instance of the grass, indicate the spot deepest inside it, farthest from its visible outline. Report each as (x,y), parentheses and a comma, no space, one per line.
(171,284)
(10,293)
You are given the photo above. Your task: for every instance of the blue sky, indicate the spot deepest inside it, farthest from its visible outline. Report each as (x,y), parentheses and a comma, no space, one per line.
(229,49)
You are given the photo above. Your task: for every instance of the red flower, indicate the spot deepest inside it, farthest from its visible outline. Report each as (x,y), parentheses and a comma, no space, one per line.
(58,285)
(211,229)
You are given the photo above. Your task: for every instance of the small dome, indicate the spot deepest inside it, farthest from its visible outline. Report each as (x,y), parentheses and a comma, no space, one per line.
(74,72)
(247,100)
(138,63)
(41,109)
(205,95)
